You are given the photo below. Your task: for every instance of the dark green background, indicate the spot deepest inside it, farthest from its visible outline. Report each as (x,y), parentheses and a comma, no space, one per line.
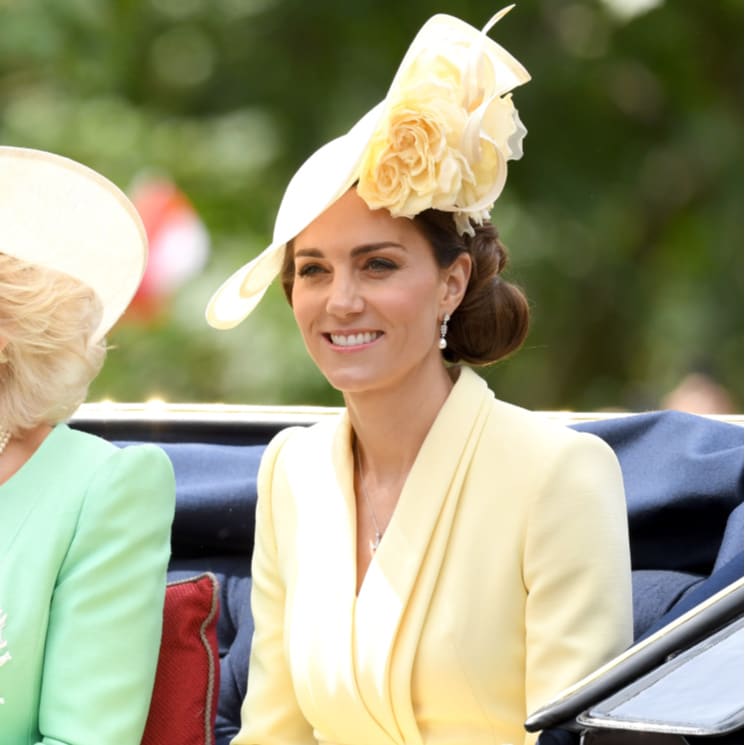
(624,220)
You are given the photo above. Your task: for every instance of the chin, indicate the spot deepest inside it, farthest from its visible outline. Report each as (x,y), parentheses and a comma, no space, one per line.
(352,381)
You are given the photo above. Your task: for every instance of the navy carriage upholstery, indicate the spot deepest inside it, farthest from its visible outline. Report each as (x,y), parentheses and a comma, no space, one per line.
(684,486)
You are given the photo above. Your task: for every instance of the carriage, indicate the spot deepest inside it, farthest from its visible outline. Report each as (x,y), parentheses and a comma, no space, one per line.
(681,681)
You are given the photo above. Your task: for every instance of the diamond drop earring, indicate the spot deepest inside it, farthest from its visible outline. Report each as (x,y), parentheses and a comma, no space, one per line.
(444,331)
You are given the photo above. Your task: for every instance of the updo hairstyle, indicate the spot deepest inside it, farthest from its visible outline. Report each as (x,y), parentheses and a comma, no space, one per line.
(47,319)
(493,318)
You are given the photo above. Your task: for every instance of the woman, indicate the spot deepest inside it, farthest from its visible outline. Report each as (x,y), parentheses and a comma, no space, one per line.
(435,564)
(84,526)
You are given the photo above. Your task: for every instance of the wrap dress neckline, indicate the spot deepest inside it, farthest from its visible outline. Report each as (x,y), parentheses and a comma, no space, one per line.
(351,653)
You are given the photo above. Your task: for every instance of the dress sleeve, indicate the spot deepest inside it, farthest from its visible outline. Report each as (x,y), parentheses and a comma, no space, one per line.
(270,714)
(107,608)
(577,570)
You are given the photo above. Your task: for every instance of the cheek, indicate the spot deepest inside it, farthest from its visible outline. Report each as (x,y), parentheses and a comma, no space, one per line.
(419,301)
(411,310)
(302,308)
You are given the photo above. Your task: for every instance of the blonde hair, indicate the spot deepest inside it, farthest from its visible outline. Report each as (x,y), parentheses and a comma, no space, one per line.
(47,320)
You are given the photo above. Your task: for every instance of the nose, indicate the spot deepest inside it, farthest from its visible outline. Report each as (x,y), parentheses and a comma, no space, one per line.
(344,298)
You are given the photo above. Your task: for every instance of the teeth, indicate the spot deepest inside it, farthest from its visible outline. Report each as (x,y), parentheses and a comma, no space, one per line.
(352,340)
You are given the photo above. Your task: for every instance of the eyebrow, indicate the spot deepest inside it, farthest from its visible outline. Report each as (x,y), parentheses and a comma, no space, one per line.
(365,248)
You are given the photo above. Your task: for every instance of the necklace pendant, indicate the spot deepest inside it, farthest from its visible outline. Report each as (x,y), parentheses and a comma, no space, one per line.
(375,542)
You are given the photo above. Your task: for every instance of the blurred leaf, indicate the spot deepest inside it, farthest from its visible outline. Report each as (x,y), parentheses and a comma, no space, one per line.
(624,219)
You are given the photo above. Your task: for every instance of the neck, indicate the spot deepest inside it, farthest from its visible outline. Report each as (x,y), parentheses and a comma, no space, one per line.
(390,425)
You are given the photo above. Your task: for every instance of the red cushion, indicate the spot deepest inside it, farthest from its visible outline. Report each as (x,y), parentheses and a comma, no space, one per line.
(184,702)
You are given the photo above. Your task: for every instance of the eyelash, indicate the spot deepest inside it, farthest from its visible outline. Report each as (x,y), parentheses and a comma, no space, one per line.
(376,265)
(308,269)
(380,265)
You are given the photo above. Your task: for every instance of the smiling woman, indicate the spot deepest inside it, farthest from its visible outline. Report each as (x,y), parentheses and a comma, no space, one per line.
(415,579)
(370,302)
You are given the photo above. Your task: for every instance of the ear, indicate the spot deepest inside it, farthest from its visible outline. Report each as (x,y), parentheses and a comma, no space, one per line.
(455,280)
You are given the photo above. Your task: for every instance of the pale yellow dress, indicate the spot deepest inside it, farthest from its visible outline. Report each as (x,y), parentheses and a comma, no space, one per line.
(503,577)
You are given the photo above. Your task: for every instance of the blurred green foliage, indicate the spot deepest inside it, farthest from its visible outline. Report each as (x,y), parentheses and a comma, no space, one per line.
(624,220)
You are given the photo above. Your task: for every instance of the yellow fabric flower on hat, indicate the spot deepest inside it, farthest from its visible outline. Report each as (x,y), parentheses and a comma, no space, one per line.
(411,161)
(445,137)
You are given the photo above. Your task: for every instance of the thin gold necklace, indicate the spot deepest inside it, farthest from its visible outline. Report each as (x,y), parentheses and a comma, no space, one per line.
(374,542)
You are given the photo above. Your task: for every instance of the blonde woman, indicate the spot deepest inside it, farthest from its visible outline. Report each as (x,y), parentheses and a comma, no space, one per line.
(84,526)
(436,563)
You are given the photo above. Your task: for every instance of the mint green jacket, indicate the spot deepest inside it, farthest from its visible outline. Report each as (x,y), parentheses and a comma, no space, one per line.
(84,544)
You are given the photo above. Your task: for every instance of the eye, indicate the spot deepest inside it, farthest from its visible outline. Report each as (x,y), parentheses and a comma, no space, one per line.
(309,269)
(380,265)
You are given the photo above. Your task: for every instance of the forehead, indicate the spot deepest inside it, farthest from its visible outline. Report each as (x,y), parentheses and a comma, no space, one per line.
(349,222)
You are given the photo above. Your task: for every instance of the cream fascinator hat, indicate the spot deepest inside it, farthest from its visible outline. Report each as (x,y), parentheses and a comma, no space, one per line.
(57,213)
(440,139)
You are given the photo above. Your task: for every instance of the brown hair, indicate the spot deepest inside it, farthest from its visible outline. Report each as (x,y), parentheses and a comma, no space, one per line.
(493,317)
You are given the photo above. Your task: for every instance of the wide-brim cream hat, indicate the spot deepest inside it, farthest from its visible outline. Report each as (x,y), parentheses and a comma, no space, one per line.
(440,139)
(60,214)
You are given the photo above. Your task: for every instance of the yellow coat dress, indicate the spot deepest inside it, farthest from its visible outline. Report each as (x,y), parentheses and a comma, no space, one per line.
(502,578)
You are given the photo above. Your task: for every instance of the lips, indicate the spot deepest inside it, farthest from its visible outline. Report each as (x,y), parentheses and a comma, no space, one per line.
(354,340)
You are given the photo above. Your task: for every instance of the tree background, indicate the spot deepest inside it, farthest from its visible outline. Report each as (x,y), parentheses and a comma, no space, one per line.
(624,219)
